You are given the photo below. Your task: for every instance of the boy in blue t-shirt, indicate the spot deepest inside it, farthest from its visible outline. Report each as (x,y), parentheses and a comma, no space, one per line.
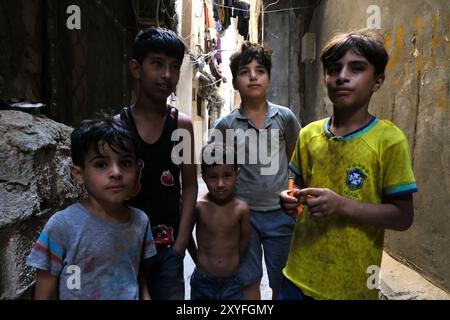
(94,249)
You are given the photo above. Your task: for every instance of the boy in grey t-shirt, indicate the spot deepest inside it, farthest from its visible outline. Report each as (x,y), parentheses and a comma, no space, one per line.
(94,249)
(272,129)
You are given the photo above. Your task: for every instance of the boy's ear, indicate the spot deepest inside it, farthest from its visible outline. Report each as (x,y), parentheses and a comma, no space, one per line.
(77,174)
(135,68)
(138,186)
(378,82)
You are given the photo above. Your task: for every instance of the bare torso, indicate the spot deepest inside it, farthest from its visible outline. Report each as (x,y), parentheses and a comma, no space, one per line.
(218,231)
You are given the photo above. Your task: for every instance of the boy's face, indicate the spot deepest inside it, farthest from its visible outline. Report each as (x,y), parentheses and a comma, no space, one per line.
(220,180)
(252,80)
(158,75)
(351,81)
(109,177)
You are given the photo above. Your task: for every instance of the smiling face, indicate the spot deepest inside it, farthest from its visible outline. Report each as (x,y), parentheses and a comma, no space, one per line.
(158,75)
(252,80)
(351,81)
(109,177)
(221,180)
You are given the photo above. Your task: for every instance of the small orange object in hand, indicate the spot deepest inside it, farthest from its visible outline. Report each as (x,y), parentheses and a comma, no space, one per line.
(291,193)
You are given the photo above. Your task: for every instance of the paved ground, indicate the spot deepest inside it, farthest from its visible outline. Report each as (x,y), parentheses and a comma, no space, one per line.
(266,292)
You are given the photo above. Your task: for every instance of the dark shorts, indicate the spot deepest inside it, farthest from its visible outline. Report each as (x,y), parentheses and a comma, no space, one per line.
(271,234)
(164,275)
(204,287)
(289,291)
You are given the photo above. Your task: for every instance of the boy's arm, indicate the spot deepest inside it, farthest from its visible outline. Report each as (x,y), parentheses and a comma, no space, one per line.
(144,294)
(46,286)
(192,247)
(395,213)
(189,191)
(289,151)
(245,230)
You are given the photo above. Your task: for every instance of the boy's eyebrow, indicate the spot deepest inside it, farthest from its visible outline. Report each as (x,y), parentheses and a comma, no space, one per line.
(358,62)
(96,157)
(352,62)
(122,154)
(259,66)
(162,55)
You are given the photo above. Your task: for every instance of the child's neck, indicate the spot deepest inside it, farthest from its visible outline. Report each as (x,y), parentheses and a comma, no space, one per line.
(114,213)
(256,112)
(148,106)
(344,122)
(255,106)
(221,203)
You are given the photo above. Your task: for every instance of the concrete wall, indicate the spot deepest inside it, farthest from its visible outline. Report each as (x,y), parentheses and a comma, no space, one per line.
(415,97)
(283,31)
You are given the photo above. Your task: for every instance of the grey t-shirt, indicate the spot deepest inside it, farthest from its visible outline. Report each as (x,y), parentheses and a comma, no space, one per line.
(93,259)
(262,178)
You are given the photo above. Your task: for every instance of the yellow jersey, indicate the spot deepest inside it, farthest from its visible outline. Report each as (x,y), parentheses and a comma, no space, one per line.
(332,257)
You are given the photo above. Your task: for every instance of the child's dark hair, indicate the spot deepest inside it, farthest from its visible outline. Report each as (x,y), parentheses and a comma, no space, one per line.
(214,150)
(247,53)
(158,40)
(91,133)
(362,42)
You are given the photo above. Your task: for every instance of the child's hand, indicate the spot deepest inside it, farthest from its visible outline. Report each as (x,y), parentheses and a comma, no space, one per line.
(289,204)
(321,201)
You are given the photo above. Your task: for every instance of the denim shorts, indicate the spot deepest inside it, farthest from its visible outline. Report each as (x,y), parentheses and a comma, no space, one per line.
(271,233)
(204,287)
(164,275)
(289,291)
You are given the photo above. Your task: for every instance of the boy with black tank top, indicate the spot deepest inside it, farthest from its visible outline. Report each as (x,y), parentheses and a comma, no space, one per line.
(157,57)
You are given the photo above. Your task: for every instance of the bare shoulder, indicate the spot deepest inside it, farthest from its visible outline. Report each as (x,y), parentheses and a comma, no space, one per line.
(242,207)
(184,121)
(201,202)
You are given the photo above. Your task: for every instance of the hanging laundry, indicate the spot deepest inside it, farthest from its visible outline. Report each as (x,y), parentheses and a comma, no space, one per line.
(218,25)
(208,43)
(243,13)
(228,11)
(216,7)
(218,54)
(208,21)
(222,12)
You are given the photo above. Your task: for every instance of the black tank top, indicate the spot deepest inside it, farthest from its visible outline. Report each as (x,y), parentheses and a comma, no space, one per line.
(159,197)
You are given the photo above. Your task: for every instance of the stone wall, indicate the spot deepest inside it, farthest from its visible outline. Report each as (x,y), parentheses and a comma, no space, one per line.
(34,183)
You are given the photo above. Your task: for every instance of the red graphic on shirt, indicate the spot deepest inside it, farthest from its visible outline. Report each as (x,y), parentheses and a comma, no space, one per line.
(163,234)
(172,113)
(167,178)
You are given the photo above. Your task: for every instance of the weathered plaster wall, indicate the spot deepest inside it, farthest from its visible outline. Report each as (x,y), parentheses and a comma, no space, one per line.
(283,30)
(415,96)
